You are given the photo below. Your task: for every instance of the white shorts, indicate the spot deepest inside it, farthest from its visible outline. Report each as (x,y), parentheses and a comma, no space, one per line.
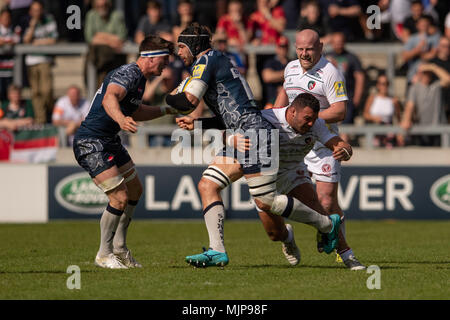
(323,166)
(288,179)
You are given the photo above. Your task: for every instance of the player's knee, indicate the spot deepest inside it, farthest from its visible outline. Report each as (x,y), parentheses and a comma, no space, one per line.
(118,199)
(263,204)
(206,186)
(263,190)
(119,203)
(213,181)
(327,202)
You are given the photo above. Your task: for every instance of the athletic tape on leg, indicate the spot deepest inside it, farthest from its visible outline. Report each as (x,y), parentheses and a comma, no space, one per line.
(111,183)
(217,176)
(130,177)
(263,188)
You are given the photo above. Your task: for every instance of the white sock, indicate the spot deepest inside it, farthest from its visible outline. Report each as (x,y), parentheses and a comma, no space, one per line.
(295,210)
(214,216)
(108,226)
(346,254)
(120,238)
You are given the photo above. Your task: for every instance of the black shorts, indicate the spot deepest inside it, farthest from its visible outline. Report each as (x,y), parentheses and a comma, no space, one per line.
(96,155)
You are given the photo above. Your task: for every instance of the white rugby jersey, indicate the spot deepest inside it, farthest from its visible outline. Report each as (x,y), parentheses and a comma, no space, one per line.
(324,81)
(293,146)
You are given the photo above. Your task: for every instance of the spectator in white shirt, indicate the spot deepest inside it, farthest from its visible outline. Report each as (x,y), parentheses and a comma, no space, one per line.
(69,111)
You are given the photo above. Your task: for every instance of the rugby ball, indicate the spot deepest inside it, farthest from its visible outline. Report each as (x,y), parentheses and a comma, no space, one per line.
(181,87)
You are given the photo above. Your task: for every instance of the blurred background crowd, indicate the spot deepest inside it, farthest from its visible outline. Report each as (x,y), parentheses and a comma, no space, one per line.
(417,94)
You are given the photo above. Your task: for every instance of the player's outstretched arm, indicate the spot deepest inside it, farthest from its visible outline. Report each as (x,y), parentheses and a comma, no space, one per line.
(342,151)
(146,112)
(183,101)
(113,95)
(187,123)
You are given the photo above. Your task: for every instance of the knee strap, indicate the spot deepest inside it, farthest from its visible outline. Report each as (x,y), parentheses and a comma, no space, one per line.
(131,176)
(217,176)
(263,188)
(111,183)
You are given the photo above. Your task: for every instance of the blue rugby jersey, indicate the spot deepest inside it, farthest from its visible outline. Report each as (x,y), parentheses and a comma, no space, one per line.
(228,94)
(98,123)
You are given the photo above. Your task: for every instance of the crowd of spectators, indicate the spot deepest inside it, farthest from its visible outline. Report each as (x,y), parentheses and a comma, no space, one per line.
(422,27)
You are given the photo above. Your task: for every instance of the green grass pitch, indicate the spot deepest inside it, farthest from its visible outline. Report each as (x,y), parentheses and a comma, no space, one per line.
(414,258)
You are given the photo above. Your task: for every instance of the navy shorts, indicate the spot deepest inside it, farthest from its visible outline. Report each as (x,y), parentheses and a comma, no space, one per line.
(260,157)
(96,155)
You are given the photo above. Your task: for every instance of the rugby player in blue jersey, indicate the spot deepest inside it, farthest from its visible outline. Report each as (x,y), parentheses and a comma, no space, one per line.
(98,149)
(229,97)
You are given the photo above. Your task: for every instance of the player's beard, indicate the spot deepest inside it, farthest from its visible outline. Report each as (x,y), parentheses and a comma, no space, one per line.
(188,61)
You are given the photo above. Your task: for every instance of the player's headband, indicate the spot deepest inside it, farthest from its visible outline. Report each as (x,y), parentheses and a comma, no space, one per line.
(154,53)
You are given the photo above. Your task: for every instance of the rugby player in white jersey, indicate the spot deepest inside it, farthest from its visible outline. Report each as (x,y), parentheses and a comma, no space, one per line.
(299,128)
(314,74)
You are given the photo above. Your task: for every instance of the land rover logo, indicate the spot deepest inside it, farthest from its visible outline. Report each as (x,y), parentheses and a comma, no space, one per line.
(79,194)
(440,193)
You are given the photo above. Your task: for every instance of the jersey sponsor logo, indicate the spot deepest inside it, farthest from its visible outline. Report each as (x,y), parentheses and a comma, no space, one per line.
(135,101)
(198,71)
(311,85)
(339,89)
(79,194)
(440,193)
